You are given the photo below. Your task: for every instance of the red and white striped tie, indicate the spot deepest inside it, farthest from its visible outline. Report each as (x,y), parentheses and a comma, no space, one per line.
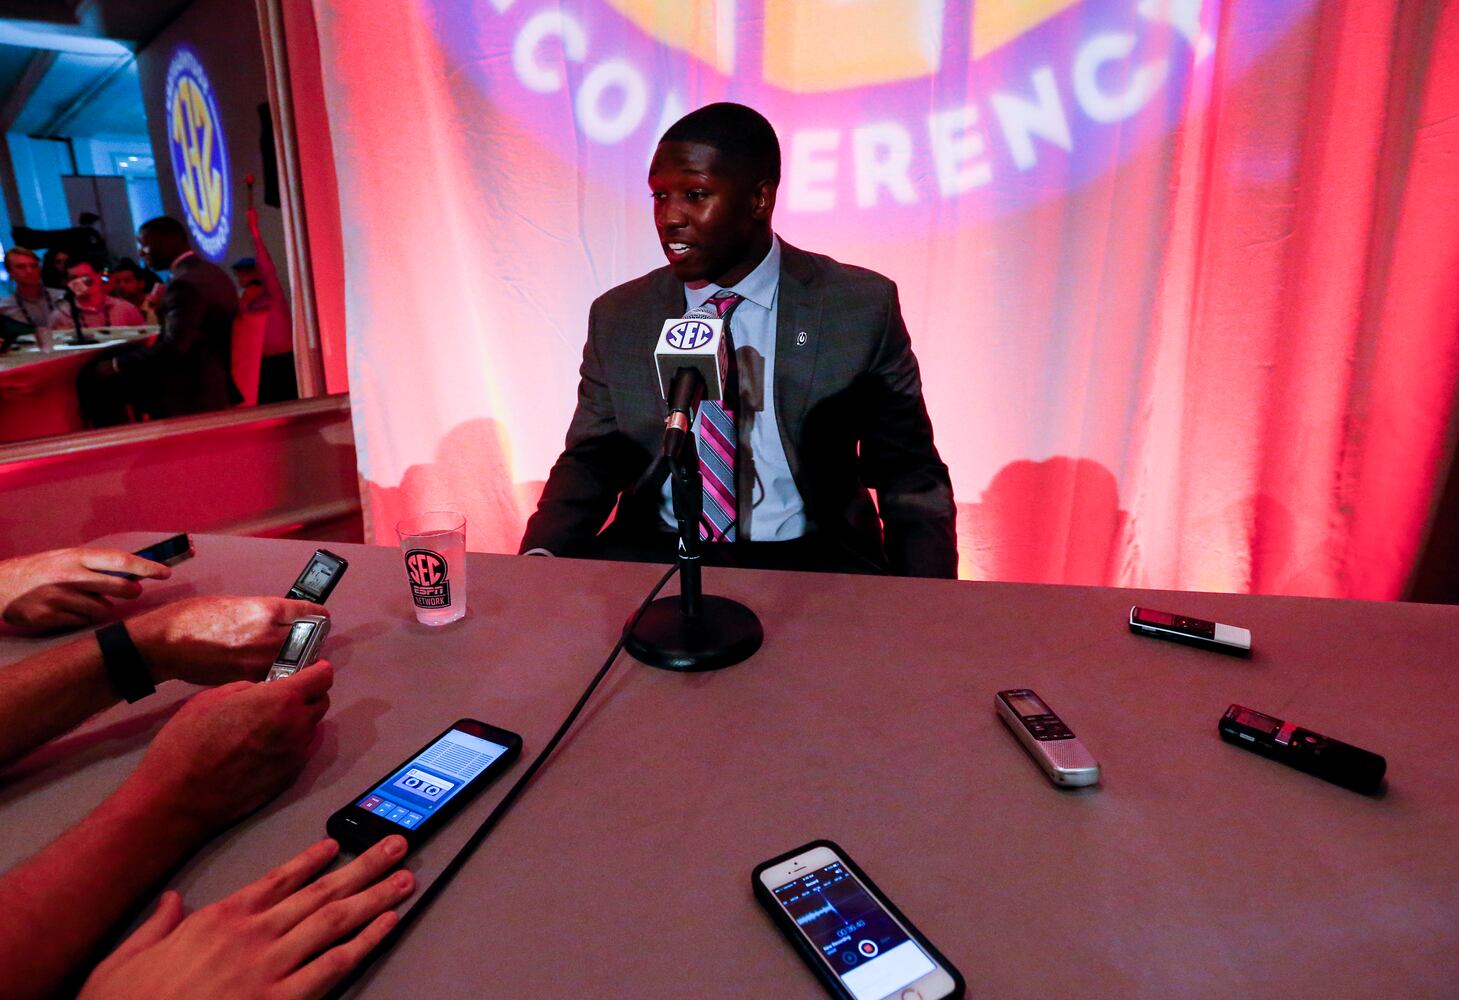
(718,440)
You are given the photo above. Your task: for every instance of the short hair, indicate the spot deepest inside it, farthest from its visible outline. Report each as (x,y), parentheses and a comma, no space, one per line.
(164,225)
(21,252)
(78,261)
(742,135)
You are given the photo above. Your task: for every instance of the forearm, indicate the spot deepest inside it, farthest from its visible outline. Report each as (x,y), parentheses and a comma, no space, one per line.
(60,903)
(49,693)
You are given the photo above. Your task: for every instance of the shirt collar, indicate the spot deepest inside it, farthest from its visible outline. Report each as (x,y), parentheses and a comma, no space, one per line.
(759,286)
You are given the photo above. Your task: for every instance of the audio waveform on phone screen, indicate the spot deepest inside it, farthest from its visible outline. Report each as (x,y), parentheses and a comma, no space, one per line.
(816,914)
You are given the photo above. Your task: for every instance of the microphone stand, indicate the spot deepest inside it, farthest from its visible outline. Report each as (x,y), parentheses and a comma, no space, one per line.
(80,336)
(695,631)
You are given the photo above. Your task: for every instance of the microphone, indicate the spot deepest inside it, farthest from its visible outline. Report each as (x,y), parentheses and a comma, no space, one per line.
(692,361)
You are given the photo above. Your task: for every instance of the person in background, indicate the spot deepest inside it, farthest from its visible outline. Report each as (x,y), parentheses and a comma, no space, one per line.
(65,588)
(260,291)
(223,754)
(53,268)
(131,282)
(90,303)
(32,303)
(188,369)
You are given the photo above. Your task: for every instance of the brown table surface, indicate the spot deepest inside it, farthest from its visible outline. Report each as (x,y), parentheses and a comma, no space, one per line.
(1195,869)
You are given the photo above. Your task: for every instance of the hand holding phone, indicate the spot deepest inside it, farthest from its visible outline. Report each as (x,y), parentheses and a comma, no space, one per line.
(421,795)
(858,944)
(168,552)
(301,647)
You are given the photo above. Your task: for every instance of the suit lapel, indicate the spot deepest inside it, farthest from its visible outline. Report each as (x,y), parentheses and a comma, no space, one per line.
(798,313)
(667,302)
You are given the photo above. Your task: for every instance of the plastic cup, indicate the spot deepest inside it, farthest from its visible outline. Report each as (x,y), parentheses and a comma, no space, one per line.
(434,544)
(45,339)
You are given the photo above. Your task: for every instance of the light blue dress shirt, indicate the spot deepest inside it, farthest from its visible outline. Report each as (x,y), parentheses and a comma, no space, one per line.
(776,512)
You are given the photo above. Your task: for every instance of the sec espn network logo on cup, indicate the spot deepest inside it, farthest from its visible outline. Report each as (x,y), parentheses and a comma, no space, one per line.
(198,153)
(689,335)
(427,570)
(884,108)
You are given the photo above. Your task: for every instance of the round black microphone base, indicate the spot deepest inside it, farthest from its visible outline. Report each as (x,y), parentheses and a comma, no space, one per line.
(725,633)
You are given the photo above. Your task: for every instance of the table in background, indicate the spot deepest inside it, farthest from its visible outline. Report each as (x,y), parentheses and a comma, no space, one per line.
(1195,869)
(38,388)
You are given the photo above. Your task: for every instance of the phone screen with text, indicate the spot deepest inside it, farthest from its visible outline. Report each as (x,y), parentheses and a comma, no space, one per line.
(418,790)
(868,950)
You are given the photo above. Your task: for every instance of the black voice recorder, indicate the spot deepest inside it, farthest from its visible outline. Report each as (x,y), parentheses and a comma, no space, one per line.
(1332,760)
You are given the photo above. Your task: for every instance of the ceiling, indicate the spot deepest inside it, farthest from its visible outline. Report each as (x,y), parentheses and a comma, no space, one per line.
(84,81)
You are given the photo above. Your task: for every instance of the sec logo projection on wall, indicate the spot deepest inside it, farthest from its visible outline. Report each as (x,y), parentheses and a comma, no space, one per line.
(199,154)
(884,108)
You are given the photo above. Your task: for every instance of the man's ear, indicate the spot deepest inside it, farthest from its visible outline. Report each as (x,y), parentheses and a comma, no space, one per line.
(762,201)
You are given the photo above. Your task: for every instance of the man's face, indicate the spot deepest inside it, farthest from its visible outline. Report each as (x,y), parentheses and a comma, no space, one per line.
(713,225)
(157,250)
(25,270)
(85,282)
(127,285)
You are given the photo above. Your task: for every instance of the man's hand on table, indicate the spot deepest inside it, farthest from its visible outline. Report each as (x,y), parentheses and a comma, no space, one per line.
(230,749)
(279,938)
(215,640)
(65,588)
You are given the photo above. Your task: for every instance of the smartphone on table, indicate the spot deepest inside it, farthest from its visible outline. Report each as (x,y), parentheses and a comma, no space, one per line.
(855,940)
(420,795)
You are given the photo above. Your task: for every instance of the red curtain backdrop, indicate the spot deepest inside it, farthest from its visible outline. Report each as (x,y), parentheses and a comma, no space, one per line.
(1181,275)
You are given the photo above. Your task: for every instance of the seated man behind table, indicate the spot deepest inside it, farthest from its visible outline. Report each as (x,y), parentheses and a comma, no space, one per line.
(133,283)
(32,303)
(188,369)
(90,304)
(830,398)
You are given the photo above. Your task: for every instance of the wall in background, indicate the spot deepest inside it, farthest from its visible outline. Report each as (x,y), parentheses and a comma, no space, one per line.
(291,473)
(224,36)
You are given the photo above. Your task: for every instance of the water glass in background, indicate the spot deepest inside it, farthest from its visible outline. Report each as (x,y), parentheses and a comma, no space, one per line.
(434,544)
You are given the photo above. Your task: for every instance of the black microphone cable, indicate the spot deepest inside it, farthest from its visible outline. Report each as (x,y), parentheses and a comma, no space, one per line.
(454,866)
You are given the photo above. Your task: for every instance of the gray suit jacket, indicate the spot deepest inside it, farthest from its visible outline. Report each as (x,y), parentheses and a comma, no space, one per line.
(848,401)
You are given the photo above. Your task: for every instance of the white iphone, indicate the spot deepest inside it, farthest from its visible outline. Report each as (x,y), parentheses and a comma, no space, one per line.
(855,940)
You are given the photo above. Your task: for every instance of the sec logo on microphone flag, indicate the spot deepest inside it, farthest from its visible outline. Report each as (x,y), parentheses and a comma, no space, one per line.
(689,335)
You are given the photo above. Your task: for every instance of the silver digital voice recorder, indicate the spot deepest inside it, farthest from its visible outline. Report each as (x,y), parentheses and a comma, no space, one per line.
(1047,739)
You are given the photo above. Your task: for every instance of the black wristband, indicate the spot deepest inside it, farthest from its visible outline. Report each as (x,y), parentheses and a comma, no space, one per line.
(125,667)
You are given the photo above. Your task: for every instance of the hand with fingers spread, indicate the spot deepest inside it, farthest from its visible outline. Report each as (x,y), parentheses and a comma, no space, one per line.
(233,748)
(214,640)
(281,938)
(65,588)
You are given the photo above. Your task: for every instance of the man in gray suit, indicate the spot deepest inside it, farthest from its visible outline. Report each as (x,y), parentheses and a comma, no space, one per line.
(828,403)
(188,368)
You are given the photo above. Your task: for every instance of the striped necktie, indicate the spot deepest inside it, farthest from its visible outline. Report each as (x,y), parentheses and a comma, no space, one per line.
(718,439)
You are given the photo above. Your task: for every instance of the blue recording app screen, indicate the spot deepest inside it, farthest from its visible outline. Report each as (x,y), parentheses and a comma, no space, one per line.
(867,948)
(432,778)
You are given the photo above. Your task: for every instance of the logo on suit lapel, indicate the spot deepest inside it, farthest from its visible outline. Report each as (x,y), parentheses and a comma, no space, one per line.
(800,339)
